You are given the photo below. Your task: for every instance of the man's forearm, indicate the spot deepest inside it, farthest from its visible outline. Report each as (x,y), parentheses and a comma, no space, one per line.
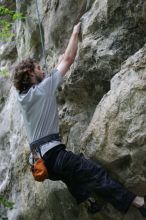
(72,47)
(71,50)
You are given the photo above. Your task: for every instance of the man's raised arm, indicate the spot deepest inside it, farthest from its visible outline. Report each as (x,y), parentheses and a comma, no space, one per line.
(70,52)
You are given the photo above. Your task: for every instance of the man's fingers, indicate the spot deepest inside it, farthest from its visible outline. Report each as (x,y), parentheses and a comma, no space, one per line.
(77,28)
(78,25)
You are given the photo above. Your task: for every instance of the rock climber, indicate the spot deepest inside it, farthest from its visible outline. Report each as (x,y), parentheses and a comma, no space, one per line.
(37,98)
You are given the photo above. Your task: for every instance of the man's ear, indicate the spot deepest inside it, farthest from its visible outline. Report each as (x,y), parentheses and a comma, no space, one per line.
(31,74)
(32,77)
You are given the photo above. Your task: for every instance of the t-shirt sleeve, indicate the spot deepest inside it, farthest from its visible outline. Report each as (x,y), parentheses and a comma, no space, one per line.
(52,82)
(46,88)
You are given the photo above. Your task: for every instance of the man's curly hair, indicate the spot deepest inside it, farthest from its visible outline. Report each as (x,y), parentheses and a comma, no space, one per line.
(21,78)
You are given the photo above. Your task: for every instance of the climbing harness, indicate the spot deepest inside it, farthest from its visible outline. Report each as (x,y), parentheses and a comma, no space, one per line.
(37,165)
(38,168)
(41,36)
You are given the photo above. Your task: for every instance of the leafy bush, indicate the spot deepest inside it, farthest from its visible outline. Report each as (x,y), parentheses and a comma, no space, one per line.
(4,72)
(6,204)
(8,17)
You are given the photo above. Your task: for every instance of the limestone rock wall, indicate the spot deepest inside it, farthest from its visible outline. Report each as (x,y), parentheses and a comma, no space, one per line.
(101,103)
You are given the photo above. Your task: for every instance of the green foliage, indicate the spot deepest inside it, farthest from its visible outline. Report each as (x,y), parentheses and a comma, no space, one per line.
(17,16)
(4,72)
(6,204)
(7,18)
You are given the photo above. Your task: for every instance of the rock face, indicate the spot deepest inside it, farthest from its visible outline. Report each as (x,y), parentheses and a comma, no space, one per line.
(101,103)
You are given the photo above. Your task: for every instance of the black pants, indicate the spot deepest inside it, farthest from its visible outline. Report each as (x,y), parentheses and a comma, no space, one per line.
(83,176)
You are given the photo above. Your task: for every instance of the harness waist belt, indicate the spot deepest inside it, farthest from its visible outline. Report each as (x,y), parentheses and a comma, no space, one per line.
(51,137)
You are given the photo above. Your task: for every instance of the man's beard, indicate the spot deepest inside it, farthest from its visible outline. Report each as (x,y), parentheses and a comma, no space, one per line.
(39,79)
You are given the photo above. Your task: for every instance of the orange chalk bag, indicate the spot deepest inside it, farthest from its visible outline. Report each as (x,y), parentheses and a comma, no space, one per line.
(38,168)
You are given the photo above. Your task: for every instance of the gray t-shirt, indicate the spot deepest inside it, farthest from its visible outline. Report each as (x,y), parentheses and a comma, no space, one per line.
(40,111)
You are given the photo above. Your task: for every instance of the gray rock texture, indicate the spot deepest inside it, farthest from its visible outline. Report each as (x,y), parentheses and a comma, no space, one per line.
(102,104)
